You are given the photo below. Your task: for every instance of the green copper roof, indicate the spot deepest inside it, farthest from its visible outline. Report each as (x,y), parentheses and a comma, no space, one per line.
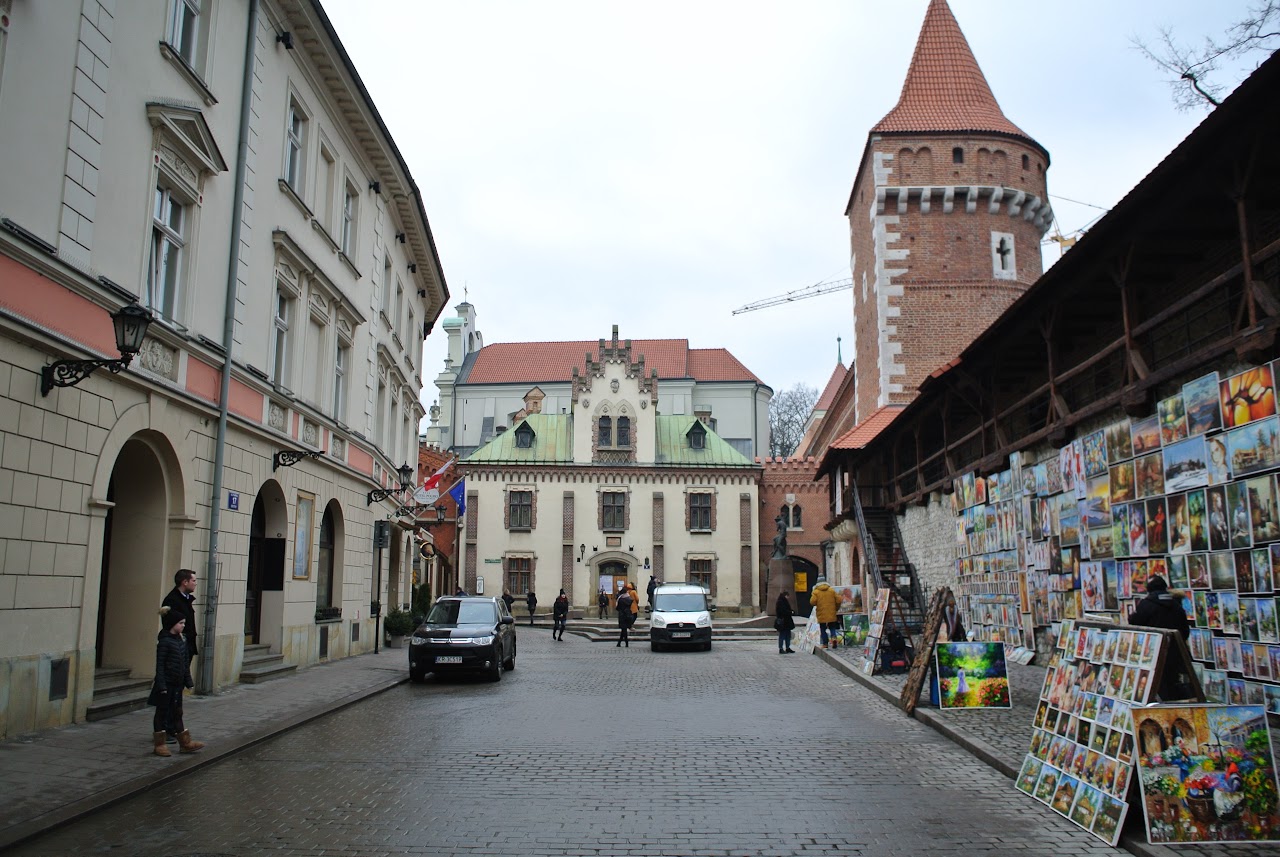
(553,444)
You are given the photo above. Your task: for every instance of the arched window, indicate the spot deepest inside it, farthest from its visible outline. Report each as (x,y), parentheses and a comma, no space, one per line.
(606,431)
(1026,162)
(624,431)
(795,517)
(324,574)
(957,155)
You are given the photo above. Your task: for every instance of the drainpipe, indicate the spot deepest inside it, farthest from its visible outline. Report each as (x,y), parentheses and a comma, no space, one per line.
(228,332)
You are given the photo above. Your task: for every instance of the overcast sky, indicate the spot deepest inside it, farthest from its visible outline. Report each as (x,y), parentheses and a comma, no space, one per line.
(658,164)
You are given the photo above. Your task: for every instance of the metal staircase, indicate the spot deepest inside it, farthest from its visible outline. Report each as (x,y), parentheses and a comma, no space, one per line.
(888,561)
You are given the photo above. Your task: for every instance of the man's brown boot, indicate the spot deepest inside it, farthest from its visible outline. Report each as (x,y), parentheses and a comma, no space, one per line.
(157,738)
(187,745)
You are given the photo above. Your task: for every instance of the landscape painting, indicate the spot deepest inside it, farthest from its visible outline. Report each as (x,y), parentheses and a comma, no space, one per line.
(1207,774)
(1186,465)
(1253,447)
(1204,412)
(1146,434)
(971,675)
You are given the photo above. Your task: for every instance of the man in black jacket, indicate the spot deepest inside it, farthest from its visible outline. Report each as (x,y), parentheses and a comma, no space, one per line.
(1160,609)
(182,598)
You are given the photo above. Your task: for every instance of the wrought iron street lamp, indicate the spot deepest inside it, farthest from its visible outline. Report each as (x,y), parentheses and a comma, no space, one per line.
(406,479)
(131,322)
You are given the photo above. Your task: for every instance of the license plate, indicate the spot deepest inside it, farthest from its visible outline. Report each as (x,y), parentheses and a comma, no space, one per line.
(448,659)
(677,634)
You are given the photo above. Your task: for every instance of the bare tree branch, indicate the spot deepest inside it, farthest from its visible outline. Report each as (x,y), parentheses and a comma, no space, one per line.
(788,413)
(1192,70)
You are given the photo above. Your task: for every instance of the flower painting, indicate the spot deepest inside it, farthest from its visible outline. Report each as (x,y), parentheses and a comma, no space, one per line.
(971,675)
(1207,774)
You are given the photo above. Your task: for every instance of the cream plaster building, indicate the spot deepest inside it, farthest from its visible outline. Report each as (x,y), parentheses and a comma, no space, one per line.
(611,489)
(220,163)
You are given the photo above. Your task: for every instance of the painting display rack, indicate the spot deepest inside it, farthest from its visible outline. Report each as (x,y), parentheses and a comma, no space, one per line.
(887,613)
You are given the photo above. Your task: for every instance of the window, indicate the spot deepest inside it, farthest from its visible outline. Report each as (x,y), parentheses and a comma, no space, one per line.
(324,570)
(410,323)
(624,431)
(700,511)
(1026,162)
(394,315)
(701,573)
(615,510)
(957,155)
(340,359)
(4,33)
(697,436)
(294,147)
(606,431)
(795,517)
(184,31)
(379,413)
(280,367)
(519,574)
(520,506)
(328,176)
(386,286)
(524,437)
(348,242)
(164,273)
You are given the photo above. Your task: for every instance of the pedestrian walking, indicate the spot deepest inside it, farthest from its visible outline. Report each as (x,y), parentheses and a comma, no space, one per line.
(825,603)
(531,601)
(508,599)
(624,602)
(182,598)
(602,604)
(784,621)
(635,602)
(648,590)
(173,675)
(559,616)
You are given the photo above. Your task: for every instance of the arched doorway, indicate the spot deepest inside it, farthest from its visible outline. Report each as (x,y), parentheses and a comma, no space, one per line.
(611,577)
(264,578)
(329,565)
(140,551)
(806,574)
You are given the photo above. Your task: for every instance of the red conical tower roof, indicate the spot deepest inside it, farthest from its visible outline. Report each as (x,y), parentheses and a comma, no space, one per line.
(945,89)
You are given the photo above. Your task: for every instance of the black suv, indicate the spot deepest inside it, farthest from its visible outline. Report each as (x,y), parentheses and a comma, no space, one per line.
(464,634)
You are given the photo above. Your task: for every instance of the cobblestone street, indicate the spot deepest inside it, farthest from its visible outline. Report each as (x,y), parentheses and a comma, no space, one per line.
(588,749)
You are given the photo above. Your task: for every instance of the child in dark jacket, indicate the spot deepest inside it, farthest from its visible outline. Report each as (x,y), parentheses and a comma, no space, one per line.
(172,676)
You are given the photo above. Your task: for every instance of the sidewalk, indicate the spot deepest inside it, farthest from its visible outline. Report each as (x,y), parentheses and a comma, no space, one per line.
(1001,737)
(53,777)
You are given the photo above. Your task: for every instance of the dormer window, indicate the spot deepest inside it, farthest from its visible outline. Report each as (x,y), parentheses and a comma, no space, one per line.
(697,436)
(524,437)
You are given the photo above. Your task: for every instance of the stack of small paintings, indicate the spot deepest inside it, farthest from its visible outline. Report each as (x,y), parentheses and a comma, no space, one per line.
(1208,774)
(1082,741)
(875,630)
(1189,493)
(971,675)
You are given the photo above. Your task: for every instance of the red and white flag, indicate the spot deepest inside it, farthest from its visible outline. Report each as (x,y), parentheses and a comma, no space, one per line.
(433,481)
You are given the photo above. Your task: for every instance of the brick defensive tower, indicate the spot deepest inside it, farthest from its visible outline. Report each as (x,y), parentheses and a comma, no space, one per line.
(945,220)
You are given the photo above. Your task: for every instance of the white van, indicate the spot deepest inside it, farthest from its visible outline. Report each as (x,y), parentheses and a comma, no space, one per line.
(680,616)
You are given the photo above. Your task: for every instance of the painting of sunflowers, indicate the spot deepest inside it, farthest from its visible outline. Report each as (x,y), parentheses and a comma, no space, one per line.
(1207,774)
(971,675)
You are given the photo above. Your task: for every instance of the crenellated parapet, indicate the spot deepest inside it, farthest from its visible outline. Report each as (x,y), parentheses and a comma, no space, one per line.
(995,199)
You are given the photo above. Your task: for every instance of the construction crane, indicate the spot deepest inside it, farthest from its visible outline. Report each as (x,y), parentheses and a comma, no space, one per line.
(798,294)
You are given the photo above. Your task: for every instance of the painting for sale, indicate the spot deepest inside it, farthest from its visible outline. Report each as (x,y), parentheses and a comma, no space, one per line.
(1146,434)
(1204,412)
(1207,774)
(1246,397)
(1173,419)
(971,675)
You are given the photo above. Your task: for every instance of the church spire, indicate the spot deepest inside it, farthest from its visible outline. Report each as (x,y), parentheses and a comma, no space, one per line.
(945,89)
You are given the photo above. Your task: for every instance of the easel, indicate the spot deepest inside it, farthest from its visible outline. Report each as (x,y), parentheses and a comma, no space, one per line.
(928,637)
(891,615)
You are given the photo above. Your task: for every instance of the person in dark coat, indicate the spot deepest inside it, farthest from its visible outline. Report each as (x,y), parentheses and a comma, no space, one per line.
(648,590)
(785,623)
(602,604)
(173,675)
(531,601)
(508,599)
(625,617)
(1161,609)
(559,616)
(183,599)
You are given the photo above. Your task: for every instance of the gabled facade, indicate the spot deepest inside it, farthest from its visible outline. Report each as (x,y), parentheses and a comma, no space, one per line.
(291,283)
(610,490)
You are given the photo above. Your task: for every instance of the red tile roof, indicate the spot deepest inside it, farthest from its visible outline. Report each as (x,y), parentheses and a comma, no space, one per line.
(945,89)
(549,362)
(833,386)
(863,433)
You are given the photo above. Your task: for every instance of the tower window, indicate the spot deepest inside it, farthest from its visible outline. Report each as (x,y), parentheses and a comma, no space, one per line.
(1026,162)
(957,155)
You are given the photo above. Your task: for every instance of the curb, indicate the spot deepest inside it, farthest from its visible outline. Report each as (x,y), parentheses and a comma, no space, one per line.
(26,830)
(1133,844)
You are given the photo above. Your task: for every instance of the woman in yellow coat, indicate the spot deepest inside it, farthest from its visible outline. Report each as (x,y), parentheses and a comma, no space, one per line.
(825,602)
(635,602)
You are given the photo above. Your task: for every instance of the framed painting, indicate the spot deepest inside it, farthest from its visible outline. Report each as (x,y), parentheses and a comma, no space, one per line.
(1148,473)
(1264,518)
(1095,453)
(1207,774)
(1252,448)
(1173,419)
(1219,534)
(1238,515)
(305,510)
(1204,410)
(1219,459)
(1120,440)
(1247,397)
(971,675)
(1186,465)
(1122,484)
(1145,434)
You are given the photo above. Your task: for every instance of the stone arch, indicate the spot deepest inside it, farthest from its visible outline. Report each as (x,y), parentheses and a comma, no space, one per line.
(331,548)
(141,541)
(266,566)
(906,160)
(1151,738)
